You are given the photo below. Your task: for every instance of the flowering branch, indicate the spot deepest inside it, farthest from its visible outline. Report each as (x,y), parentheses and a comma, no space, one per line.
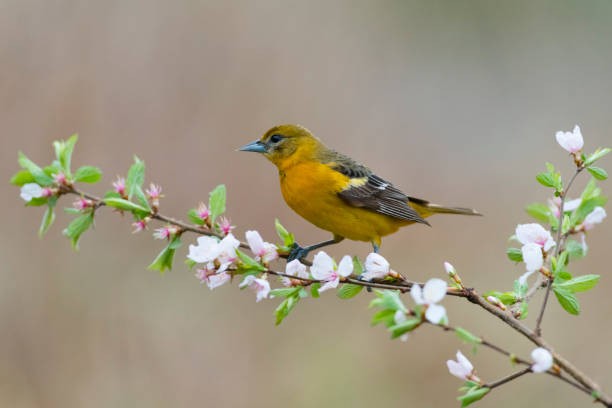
(218,257)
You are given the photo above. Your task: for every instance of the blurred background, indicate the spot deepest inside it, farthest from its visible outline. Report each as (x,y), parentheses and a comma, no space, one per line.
(456,102)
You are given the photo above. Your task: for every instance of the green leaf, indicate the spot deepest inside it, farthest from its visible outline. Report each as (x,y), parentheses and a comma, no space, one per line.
(284,292)
(348,290)
(598,172)
(540,212)
(88,174)
(286,306)
(63,152)
(48,218)
(598,154)
(314,289)
(165,258)
(507,298)
(474,394)
(77,227)
(579,283)
(285,236)
(574,249)
(400,329)
(126,205)
(520,290)
(135,178)
(386,316)
(388,299)
(566,225)
(357,266)
(514,254)
(22,177)
(37,173)
(216,202)
(248,264)
(467,336)
(546,180)
(567,300)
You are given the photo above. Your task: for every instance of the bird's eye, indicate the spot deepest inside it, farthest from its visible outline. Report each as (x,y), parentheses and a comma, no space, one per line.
(276,138)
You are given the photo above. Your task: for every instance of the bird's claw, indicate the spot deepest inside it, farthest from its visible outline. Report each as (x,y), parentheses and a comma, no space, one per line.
(297,252)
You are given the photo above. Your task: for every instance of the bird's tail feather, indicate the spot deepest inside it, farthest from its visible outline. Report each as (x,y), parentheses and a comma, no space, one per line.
(425,208)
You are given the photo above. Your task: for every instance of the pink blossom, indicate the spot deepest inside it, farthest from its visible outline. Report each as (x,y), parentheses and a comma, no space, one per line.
(324,269)
(534,234)
(570,205)
(294,268)
(82,203)
(211,278)
(166,232)
(119,186)
(60,178)
(227,252)
(260,286)
(571,141)
(225,225)
(203,212)
(376,267)
(154,191)
(264,251)
(139,225)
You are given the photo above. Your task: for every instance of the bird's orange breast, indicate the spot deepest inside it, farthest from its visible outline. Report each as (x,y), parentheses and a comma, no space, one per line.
(311,189)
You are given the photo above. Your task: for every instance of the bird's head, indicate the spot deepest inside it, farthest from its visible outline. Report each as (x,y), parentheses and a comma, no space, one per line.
(285,143)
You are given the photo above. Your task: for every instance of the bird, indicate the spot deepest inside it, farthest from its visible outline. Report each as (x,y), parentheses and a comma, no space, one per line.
(336,193)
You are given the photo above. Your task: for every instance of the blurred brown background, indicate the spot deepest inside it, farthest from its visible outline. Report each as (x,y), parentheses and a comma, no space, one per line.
(456,102)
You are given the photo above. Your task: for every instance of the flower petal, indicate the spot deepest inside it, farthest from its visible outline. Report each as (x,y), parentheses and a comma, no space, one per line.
(322,266)
(255,242)
(435,313)
(345,267)
(532,256)
(417,294)
(434,290)
(329,285)
(376,266)
(543,360)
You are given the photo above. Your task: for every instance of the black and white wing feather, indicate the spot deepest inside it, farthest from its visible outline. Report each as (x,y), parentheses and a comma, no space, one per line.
(367,190)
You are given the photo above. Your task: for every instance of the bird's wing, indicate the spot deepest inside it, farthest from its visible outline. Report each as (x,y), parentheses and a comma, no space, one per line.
(367,190)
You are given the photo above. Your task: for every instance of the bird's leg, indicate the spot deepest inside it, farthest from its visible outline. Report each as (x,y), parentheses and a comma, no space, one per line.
(297,252)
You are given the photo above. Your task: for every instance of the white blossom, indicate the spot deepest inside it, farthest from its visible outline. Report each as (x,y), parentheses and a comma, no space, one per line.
(542,360)
(571,141)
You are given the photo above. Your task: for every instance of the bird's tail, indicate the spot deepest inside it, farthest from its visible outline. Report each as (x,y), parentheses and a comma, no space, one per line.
(425,208)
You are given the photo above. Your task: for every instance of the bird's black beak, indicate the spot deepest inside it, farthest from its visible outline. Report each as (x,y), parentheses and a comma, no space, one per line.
(256,146)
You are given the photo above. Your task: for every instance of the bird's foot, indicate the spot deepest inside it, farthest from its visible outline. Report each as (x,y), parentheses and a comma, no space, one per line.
(297,252)
(360,277)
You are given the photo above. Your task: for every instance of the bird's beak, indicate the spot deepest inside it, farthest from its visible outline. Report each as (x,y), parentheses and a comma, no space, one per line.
(256,146)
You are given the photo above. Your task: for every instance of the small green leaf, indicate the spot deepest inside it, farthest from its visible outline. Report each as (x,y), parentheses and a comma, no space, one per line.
(165,258)
(248,264)
(598,154)
(314,289)
(579,283)
(466,336)
(285,236)
(64,153)
(135,178)
(507,298)
(388,299)
(48,218)
(216,202)
(473,395)
(520,289)
(284,292)
(286,306)
(566,225)
(545,179)
(126,205)
(348,290)
(88,174)
(77,227)
(574,249)
(540,212)
(598,172)
(357,266)
(22,177)
(567,300)
(514,254)
(37,173)
(386,316)
(400,329)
